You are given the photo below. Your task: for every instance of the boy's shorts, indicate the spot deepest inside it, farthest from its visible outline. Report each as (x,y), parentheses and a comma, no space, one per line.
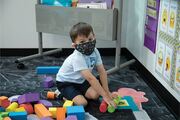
(71,90)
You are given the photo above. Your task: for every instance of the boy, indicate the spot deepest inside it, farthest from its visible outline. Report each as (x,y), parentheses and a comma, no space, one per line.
(74,79)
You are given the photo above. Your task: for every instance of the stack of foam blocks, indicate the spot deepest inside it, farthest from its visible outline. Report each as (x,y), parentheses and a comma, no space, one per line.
(30,107)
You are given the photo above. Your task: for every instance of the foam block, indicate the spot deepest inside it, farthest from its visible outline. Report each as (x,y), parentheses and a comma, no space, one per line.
(61,113)
(32,117)
(47,70)
(103,107)
(47,82)
(51,95)
(4,114)
(46,118)
(71,117)
(2,98)
(18,115)
(13,98)
(41,111)
(7,118)
(53,111)
(29,97)
(68,103)
(28,107)
(131,104)
(76,110)
(12,107)
(2,109)
(46,103)
(20,109)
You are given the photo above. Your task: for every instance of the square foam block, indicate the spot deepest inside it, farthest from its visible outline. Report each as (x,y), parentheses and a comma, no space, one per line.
(76,110)
(71,117)
(68,103)
(47,82)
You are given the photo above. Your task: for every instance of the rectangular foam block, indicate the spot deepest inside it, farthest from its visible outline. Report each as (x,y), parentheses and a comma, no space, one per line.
(61,113)
(46,118)
(76,110)
(18,115)
(47,70)
(2,98)
(12,107)
(71,117)
(4,114)
(7,118)
(20,109)
(41,111)
(53,111)
(28,98)
(47,82)
(68,103)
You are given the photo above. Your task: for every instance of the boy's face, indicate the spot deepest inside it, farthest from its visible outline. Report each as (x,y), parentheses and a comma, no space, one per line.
(83,39)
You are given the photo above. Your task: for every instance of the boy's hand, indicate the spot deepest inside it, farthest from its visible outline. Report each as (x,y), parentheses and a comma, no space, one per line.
(109,101)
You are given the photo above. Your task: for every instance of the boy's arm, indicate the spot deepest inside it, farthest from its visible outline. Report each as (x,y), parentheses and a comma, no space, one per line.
(103,77)
(97,86)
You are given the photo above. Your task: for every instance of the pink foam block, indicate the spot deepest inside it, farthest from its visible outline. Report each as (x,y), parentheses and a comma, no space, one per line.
(138,96)
(28,98)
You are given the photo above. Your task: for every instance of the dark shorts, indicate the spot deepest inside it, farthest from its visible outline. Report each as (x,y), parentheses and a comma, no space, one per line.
(71,90)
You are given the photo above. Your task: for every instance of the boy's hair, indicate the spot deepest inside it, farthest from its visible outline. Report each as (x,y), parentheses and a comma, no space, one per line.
(80,28)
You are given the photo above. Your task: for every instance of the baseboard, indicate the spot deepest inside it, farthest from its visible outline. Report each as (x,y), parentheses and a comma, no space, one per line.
(161,92)
(64,52)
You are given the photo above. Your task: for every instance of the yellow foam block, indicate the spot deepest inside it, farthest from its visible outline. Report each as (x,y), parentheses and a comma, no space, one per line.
(41,111)
(12,107)
(53,111)
(68,103)
(123,103)
(20,109)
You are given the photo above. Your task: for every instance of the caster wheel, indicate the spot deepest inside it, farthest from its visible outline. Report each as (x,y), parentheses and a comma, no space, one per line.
(20,66)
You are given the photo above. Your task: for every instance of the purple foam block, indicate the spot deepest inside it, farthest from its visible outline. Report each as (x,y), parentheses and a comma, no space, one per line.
(47,82)
(28,98)
(46,103)
(71,117)
(46,118)
(108,2)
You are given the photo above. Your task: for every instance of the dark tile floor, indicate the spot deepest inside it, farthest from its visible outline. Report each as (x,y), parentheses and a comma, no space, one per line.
(14,82)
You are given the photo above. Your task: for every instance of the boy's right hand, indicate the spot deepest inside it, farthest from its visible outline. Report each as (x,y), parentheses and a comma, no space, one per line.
(109,101)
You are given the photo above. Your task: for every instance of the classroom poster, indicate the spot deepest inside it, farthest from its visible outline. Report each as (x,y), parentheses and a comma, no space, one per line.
(160,57)
(151,25)
(177,73)
(164,15)
(168,63)
(172,18)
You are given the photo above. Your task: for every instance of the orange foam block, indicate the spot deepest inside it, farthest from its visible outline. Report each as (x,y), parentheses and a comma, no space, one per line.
(28,107)
(61,113)
(4,102)
(51,95)
(7,118)
(41,111)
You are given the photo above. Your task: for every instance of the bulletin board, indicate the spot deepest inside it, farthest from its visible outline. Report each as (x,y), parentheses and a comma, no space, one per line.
(168,44)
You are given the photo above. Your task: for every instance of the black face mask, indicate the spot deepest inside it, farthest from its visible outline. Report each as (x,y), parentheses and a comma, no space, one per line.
(86,48)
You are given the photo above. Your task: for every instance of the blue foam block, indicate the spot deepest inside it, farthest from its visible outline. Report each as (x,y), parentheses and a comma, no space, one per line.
(47,70)
(76,110)
(18,115)
(131,103)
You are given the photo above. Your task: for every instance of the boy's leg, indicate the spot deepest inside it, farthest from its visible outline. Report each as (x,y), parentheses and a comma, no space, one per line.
(91,94)
(88,91)
(70,92)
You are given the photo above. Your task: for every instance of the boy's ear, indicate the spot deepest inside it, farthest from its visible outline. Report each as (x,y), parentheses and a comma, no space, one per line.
(73,45)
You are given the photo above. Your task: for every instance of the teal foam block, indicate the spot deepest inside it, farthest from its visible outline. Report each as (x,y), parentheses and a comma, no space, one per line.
(2,109)
(47,69)
(18,115)
(131,103)
(76,110)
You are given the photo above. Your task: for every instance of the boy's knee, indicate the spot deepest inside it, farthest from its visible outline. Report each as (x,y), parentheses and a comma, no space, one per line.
(94,96)
(80,100)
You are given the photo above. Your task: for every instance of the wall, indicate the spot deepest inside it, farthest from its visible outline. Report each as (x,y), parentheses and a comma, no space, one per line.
(135,38)
(19,28)
(1,21)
